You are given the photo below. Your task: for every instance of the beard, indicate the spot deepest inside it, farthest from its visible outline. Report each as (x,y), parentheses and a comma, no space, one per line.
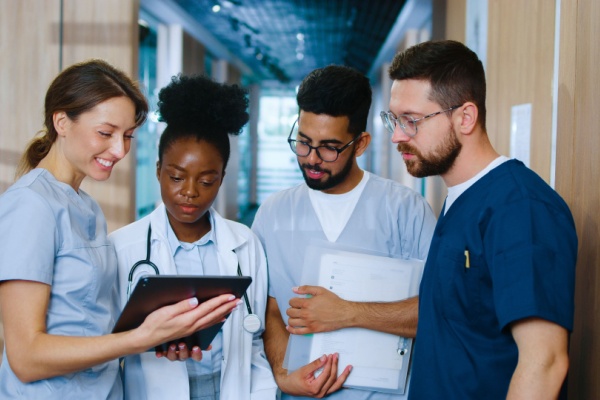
(326,183)
(438,162)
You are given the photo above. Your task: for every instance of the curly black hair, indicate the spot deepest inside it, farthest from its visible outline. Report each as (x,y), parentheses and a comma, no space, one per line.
(198,107)
(337,90)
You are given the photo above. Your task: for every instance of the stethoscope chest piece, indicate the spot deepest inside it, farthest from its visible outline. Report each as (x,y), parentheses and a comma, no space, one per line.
(252,323)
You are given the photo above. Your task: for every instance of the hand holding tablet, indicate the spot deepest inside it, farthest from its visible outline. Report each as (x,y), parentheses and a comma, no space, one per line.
(154,292)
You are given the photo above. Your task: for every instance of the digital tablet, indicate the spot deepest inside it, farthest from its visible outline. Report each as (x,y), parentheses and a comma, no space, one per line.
(156,291)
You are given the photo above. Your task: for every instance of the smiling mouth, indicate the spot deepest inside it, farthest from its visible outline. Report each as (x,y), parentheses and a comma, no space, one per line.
(104,162)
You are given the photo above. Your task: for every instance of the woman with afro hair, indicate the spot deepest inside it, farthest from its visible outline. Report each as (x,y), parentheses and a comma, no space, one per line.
(188,237)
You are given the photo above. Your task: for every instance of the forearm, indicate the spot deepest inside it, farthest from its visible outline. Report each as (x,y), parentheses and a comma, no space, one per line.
(398,318)
(275,338)
(44,356)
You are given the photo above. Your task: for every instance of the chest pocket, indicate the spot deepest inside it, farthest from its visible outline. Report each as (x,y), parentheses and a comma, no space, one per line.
(460,284)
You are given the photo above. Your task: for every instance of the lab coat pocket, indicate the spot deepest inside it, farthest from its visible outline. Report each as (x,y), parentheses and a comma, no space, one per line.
(459,284)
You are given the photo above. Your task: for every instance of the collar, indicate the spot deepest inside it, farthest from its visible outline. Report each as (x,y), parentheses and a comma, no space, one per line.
(175,243)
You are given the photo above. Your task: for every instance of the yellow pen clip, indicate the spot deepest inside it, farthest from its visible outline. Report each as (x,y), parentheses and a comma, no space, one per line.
(467,259)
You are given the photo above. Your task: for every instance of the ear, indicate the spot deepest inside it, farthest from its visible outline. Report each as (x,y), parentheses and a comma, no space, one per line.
(60,121)
(467,116)
(158,170)
(362,143)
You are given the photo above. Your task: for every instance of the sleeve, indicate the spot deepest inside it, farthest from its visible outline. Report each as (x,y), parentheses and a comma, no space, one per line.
(417,223)
(30,240)
(262,380)
(532,251)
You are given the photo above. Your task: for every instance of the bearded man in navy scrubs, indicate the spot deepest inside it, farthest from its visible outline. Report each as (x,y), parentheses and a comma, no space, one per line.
(496,299)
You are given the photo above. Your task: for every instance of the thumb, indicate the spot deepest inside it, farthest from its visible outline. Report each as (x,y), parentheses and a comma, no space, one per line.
(307,289)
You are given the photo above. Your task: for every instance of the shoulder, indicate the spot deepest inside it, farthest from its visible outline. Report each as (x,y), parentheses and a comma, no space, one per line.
(393,191)
(131,234)
(519,182)
(287,195)
(32,195)
(231,227)
(283,200)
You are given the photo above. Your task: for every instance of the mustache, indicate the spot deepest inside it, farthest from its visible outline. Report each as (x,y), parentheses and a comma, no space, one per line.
(406,148)
(314,167)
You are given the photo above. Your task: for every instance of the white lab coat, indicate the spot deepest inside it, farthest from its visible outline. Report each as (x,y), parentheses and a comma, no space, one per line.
(245,372)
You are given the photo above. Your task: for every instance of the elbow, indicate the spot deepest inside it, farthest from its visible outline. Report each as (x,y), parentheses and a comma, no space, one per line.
(24,370)
(24,374)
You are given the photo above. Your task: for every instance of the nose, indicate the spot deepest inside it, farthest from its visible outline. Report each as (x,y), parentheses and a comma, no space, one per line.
(313,158)
(119,147)
(399,136)
(189,188)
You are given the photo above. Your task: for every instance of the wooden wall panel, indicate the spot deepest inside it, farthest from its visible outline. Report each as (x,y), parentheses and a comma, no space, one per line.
(578,178)
(520,70)
(29,54)
(456,20)
(106,29)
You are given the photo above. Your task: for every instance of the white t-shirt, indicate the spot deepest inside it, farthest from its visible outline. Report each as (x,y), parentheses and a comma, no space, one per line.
(334,210)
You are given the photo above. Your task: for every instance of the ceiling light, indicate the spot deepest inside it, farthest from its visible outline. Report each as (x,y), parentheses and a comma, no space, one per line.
(216,8)
(300,37)
(300,56)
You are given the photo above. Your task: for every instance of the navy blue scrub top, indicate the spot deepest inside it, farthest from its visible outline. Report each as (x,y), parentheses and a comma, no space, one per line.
(522,247)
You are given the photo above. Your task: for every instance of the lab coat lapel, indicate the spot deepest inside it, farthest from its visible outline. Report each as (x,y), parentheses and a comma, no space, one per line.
(235,371)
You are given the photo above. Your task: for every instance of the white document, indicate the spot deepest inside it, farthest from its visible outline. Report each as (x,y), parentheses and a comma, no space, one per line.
(380,360)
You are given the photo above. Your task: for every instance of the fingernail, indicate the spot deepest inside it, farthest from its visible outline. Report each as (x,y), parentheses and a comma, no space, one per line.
(181,346)
(195,349)
(295,288)
(231,297)
(323,358)
(172,347)
(193,301)
(238,303)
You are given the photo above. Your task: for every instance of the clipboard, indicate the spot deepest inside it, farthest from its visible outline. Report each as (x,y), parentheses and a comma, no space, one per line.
(156,291)
(381,361)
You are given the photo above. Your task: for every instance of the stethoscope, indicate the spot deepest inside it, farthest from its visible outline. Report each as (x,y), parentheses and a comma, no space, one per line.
(251,324)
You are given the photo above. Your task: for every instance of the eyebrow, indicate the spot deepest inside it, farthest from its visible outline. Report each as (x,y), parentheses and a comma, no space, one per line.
(116,127)
(322,142)
(177,167)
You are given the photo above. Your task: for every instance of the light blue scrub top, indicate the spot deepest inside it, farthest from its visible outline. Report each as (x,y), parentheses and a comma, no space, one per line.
(199,258)
(54,235)
(389,218)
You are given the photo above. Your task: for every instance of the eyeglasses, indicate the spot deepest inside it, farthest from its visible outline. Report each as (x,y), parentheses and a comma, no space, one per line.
(324,152)
(407,123)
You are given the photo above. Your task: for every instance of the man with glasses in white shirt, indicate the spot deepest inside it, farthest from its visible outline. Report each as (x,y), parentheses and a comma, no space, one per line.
(343,204)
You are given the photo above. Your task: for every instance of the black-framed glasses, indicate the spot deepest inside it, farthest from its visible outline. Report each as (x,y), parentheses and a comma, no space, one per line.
(324,152)
(407,123)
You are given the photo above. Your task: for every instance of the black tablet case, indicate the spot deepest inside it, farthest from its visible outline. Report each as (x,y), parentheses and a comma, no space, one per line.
(156,291)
